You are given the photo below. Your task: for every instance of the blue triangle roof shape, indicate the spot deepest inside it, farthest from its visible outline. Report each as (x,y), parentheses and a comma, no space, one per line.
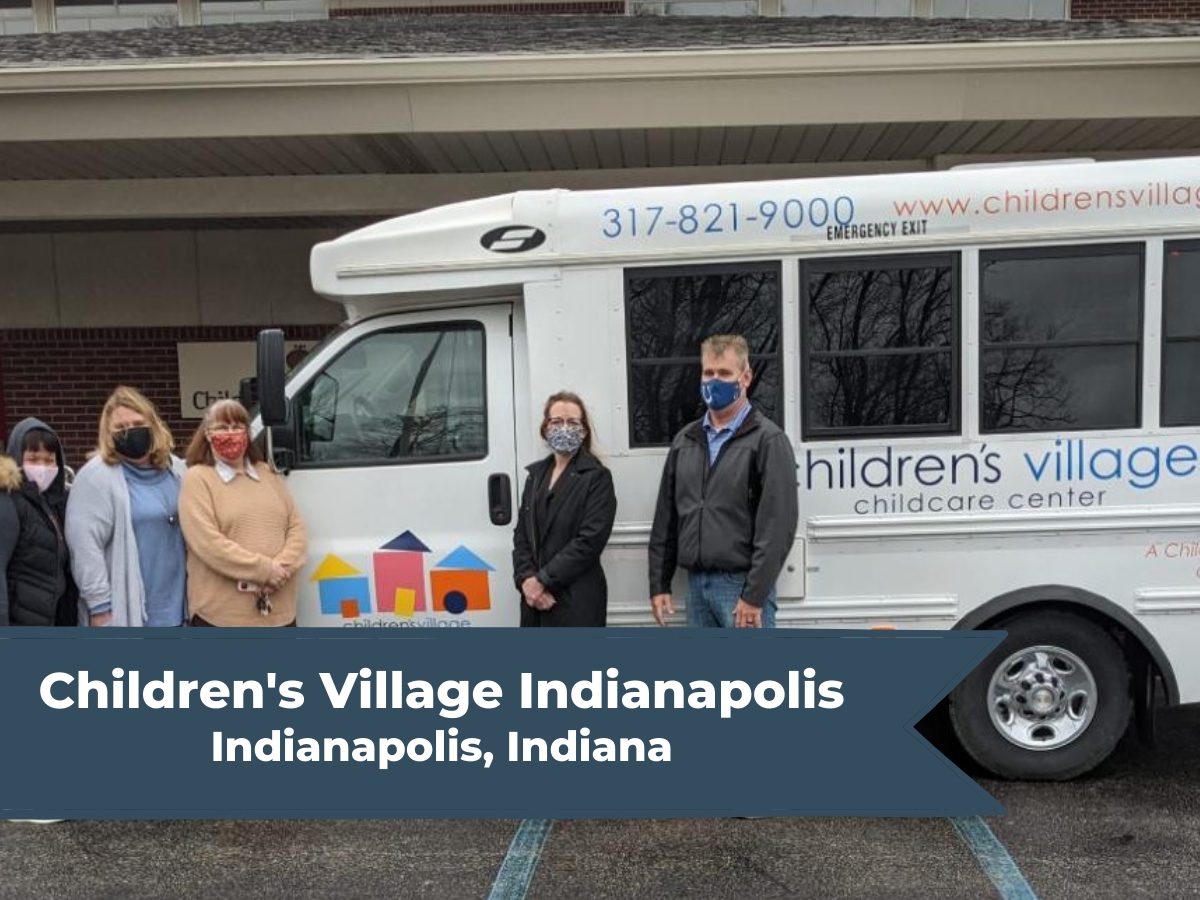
(462,558)
(406,541)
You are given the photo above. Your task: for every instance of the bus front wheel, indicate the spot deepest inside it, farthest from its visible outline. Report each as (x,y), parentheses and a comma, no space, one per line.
(1050,703)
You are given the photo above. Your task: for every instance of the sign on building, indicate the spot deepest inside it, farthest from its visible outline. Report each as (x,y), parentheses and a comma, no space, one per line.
(212,370)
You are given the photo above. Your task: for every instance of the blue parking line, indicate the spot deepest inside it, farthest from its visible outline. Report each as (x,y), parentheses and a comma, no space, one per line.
(521,861)
(993,858)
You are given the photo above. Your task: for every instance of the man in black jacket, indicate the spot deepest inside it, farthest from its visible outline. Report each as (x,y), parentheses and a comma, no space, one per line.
(727,507)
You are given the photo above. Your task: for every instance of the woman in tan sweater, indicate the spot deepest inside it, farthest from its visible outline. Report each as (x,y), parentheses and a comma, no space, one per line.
(245,539)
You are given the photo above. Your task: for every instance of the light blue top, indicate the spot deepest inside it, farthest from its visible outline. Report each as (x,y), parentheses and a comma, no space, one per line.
(717,438)
(162,556)
(104,553)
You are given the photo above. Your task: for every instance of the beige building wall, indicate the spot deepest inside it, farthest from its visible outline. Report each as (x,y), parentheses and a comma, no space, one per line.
(139,279)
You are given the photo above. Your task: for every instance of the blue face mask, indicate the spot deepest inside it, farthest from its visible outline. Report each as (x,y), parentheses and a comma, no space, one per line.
(719,394)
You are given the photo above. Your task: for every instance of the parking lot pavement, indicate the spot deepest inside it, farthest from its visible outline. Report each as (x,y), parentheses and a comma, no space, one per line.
(758,858)
(1130,830)
(259,860)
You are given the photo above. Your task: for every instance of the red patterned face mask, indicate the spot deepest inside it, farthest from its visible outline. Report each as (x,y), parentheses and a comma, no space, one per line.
(231,447)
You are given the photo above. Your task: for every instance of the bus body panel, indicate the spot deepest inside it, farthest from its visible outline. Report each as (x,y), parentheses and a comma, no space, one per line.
(905,531)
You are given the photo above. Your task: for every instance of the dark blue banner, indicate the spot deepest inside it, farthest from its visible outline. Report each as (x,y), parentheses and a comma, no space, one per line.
(488,723)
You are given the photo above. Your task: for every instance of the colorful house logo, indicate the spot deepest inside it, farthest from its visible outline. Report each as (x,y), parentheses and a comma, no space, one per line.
(460,583)
(400,575)
(344,590)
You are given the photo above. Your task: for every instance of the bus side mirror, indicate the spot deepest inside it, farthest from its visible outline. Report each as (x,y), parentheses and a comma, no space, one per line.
(271,369)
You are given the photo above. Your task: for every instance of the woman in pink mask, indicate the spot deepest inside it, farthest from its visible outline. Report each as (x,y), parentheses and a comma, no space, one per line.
(35,566)
(245,539)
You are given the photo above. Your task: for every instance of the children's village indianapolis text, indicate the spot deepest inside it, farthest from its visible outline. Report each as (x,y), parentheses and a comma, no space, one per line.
(369,689)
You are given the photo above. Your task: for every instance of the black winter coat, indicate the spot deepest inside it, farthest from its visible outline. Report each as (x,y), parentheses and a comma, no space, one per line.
(563,547)
(38,581)
(737,515)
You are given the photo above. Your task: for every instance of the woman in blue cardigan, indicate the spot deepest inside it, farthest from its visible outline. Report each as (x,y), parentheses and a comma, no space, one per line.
(127,549)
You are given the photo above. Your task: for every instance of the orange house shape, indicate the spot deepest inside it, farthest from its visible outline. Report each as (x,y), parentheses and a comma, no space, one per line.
(461,583)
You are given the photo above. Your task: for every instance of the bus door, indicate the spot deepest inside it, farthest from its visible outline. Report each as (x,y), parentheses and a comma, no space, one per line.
(404,473)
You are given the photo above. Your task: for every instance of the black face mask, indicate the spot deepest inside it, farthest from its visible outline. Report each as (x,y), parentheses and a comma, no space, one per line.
(134,443)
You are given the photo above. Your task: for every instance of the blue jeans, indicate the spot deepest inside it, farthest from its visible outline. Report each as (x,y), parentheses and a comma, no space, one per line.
(713,595)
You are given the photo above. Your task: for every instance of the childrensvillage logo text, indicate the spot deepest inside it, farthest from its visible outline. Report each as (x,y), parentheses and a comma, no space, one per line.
(1069,473)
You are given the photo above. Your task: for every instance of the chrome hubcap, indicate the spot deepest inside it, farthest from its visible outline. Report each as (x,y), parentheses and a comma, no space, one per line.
(1042,698)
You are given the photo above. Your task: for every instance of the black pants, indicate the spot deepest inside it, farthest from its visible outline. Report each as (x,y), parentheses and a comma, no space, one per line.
(66,613)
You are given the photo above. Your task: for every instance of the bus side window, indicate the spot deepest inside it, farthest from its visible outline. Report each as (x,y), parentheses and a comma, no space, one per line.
(1060,331)
(668,312)
(880,346)
(1181,334)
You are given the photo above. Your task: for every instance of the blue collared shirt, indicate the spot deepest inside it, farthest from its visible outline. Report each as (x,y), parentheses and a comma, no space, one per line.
(717,438)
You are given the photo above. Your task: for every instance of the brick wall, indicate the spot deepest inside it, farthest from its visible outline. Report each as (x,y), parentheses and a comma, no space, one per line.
(63,376)
(1135,9)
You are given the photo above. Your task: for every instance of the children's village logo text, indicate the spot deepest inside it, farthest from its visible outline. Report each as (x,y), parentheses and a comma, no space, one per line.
(459,583)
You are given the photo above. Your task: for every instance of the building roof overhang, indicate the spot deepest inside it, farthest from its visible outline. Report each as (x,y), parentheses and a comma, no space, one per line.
(443,107)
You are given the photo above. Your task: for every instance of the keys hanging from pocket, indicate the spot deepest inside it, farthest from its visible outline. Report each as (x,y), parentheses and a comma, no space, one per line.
(264,604)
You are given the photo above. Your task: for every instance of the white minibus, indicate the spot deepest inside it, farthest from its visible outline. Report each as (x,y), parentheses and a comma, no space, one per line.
(991,377)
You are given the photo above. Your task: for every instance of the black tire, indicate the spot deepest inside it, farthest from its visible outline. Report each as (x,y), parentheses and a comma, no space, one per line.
(970,714)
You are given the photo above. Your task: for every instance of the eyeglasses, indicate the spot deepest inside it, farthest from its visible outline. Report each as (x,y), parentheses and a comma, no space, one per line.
(226,428)
(120,430)
(559,423)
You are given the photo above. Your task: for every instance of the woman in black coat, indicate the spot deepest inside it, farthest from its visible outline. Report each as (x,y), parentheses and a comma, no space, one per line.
(34,561)
(567,512)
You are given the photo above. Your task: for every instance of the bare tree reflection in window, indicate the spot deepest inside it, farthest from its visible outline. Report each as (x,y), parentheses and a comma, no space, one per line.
(1022,388)
(859,321)
(669,313)
(1061,338)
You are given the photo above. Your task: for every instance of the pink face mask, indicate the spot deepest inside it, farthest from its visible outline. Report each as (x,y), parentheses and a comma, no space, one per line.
(41,475)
